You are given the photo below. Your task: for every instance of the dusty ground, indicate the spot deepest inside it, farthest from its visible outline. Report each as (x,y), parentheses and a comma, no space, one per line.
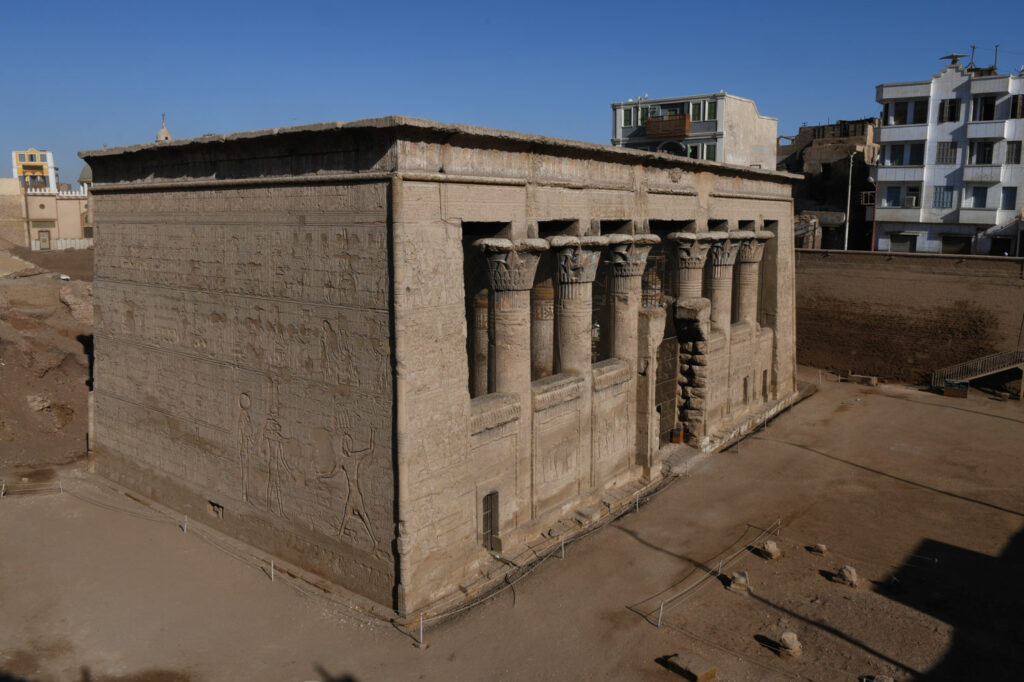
(921,494)
(45,341)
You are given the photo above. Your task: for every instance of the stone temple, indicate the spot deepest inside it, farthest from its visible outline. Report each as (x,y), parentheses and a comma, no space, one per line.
(385,351)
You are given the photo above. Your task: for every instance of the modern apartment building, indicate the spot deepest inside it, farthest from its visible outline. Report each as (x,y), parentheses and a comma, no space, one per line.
(34,169)
(950,177)
(716,127)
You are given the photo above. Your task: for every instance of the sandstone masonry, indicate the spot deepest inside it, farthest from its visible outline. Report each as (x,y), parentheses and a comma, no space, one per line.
(390,349)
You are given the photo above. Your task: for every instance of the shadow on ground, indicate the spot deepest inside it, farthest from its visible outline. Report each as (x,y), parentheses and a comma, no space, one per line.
(980,596)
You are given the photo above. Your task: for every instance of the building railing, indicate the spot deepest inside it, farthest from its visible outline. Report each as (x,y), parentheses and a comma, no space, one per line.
(972,369)
(668,126)
(52,192)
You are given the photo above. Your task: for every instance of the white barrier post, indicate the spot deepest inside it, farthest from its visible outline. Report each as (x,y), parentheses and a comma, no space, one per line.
(184,528)
(563,548)
(637,500)
(661,612)
(271,570)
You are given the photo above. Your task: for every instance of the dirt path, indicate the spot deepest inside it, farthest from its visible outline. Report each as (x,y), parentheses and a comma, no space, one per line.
(921,494)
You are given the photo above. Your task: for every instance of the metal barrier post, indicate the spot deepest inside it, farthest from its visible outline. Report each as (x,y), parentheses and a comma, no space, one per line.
(661,612)
(271,570)
(563,548)
(184,527)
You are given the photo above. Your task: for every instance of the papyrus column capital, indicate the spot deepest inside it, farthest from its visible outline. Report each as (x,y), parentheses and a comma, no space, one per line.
(752,248)
(629,257)
(511,265)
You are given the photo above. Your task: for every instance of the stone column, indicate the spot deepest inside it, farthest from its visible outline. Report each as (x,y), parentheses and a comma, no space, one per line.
(628,258)
(481,313)
(724,246)
(748,274)
(511,267)
(691,254)
(542,329)
(576,264)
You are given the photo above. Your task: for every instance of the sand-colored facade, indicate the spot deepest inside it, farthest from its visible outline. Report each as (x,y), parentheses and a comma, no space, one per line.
(387,350)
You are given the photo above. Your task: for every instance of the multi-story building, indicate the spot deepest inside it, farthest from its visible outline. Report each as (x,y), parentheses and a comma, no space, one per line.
(716,127)
(40,213)
(34,169)
(950,175)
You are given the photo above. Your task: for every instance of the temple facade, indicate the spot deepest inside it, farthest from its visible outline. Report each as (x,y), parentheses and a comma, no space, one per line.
(392,352)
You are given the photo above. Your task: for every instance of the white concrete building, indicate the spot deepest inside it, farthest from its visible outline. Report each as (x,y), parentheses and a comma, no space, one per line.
(950,176)
(716,127)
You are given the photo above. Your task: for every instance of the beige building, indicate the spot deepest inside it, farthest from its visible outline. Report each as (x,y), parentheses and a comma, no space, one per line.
(386,351)
(58,220)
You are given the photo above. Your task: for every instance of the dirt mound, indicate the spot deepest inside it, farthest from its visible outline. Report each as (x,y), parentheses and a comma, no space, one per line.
(45,341)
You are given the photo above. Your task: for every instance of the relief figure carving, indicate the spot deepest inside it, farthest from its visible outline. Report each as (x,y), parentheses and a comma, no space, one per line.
(346,467)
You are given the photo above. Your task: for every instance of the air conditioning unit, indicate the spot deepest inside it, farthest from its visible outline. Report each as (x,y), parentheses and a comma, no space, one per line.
(910,202)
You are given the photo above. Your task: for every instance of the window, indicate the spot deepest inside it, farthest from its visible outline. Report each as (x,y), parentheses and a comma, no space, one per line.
(984,108)
(892,196)
(917,154)
(673,112)
(1013,151)
(885,114)
(976,196)
(955,243)
(709,152)
(1000,246)
(712,111)
(920,111)
(895,155)
(32,158)
(643,115)
(1016,106)
(949,110)
(899,113)
(903,243)
(981,152)
(913,197)
(695,111)
(42,157)
(21,157)
(942,197)
(693,151)
(1009,199)
(627,117)
(945,153)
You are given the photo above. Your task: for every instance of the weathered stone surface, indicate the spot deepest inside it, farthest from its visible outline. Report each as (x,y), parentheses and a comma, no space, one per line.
(789,645)
(297,326)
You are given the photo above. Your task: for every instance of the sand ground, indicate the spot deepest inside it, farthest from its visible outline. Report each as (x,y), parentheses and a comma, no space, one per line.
(921,494)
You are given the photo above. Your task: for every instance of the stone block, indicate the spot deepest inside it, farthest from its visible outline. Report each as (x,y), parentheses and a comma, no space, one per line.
(691,667)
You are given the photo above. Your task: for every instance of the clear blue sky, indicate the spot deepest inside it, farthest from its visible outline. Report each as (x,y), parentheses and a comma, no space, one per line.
(83,74)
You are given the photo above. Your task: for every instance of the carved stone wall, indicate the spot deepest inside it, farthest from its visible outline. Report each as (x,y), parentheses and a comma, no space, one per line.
(282,332)
(243,356)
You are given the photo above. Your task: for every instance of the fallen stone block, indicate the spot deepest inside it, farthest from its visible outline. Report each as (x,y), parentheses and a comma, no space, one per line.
(691,667)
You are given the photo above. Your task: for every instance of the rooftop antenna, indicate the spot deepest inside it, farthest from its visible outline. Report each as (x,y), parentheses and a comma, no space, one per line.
(954,58)
(996,60)
(971,65)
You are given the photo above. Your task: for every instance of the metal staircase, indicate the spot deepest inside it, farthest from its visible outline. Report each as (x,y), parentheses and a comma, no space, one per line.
(979,367)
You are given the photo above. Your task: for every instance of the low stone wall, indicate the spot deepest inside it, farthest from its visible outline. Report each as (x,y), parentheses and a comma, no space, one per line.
(903,315)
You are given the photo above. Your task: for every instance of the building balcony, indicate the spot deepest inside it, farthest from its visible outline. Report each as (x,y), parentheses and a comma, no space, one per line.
(903,133)
(900,173)
(983,174)
(897,214)
(989,85)
(979,129)
(977,216)
(668,126)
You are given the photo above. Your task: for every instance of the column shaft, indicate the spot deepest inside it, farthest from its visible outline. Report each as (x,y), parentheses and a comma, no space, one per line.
(481,341)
